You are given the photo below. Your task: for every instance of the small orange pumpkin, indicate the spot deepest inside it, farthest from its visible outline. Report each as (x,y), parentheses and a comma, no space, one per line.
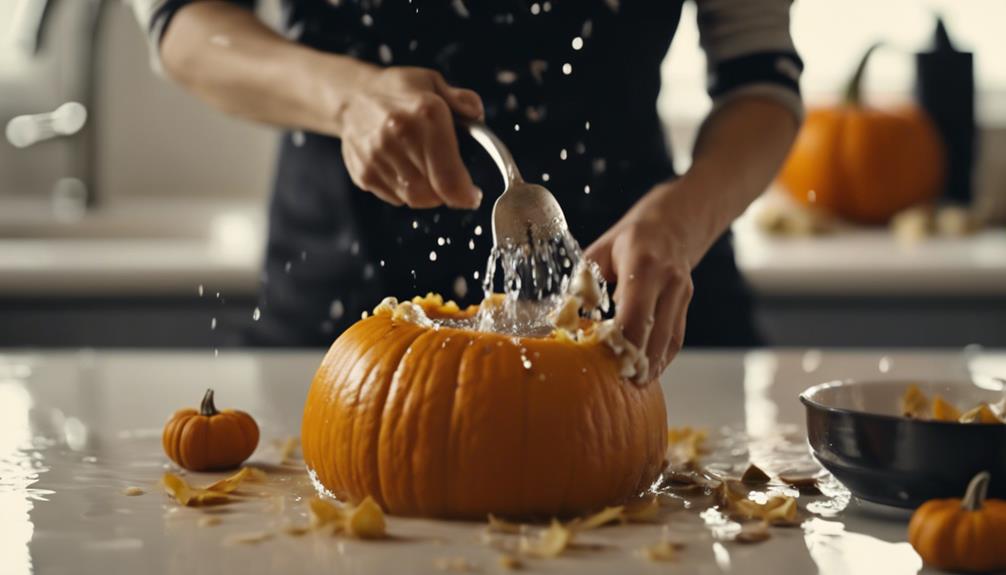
(449,422)
(207,439)
(962,535)
(865,164)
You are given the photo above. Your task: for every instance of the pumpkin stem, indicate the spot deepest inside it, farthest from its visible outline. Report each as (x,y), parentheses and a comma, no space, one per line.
(853,91)
(978,489)
(207,407)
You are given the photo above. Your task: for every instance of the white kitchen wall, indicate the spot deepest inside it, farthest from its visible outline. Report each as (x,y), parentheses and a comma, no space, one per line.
(155,139)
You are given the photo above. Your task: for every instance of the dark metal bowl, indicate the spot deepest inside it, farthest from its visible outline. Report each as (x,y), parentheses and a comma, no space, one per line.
(856,432)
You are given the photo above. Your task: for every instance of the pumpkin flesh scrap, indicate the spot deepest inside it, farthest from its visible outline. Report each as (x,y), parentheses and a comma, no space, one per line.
(191,496)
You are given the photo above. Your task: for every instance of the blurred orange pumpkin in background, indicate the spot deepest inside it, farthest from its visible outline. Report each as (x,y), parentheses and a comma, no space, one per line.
(449,422)
(865,164)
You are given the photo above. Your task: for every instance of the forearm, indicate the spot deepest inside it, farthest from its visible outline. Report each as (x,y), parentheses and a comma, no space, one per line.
(223,54)
(738,152)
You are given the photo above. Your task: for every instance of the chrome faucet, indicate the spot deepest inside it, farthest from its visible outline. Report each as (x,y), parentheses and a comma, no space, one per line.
(28,31)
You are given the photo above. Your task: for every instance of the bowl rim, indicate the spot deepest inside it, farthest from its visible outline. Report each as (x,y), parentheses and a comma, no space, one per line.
(805,398)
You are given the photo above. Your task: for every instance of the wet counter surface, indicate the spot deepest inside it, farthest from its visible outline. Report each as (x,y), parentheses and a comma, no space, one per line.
(79,428)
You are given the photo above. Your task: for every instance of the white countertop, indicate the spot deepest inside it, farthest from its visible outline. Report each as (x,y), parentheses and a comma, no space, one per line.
(870,262)
(132,247)
(78,427)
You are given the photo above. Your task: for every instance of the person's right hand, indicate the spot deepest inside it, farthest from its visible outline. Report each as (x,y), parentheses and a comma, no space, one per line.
(398,139)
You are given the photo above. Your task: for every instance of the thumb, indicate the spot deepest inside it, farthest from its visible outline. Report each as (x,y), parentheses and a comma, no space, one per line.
(462,101)
(600,252)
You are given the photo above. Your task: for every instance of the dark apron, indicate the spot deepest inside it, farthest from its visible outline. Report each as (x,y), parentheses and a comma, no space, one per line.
(335,251)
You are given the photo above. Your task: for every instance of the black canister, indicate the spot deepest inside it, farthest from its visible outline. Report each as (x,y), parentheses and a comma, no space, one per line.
(945,88)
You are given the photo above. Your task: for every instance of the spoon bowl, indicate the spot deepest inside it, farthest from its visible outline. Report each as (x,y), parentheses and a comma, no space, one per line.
(524,213)
(527,213)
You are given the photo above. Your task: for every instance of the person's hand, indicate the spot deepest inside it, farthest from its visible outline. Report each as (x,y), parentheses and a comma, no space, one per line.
(398,139)
(646,254)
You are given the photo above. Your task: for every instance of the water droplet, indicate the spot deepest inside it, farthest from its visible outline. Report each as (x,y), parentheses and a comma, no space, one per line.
(583,370)
(256,314)
(415,224)
(433,256)
(478,230)
(460,8)
(885,364)
(382,263)
(580,148)
(213,323)
(586,125)
(460,286)
(536,9)
(368,20)
(471,245)
(216,352)
(368,271)
(297,138)
(440,241)
(567,68)
(413,44)
(218,295)
(586,190)
(547,6)
(525,362)
(538,68)
(506,77)
(535,114)
(599,165)
(336,309)
(577,43)
(563,154)
(516,127)
(511,102)
(475,275)
(200,290)
(354,248)
(588,28)
(384,53)
(545,177)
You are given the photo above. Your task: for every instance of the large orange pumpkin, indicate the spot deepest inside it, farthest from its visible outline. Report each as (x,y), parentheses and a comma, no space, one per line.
(448,422)
(865,164)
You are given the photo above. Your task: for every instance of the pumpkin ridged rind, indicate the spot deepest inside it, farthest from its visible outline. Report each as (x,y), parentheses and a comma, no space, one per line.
(449,423)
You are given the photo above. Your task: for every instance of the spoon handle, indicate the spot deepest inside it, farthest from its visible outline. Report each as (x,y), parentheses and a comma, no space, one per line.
(498,151)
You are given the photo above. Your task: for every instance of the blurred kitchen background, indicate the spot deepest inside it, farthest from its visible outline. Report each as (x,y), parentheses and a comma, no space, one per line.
(146,226)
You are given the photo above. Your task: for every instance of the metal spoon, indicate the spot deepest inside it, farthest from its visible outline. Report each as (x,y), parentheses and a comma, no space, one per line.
(524,213)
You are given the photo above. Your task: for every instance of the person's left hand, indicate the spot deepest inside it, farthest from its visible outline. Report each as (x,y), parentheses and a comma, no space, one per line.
(646,253)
